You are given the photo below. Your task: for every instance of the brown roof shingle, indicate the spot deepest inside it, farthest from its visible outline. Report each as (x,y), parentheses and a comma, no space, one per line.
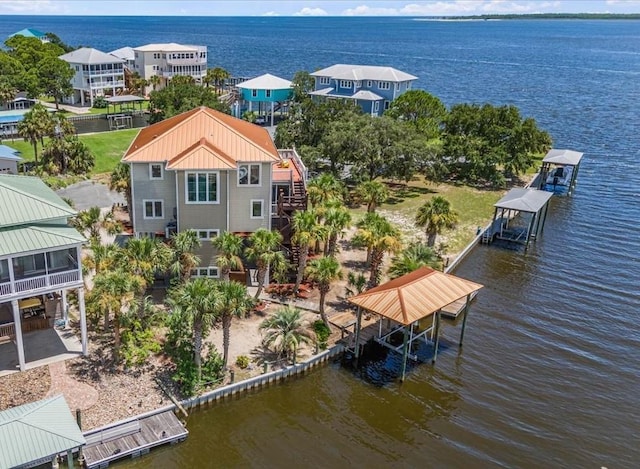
(202,139)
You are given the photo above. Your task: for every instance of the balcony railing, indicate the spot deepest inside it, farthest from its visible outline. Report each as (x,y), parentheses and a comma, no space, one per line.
(41,282)
(169,74)
(195,61)
(107,84)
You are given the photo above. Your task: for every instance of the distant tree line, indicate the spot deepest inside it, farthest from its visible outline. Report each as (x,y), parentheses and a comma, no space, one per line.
(476,144)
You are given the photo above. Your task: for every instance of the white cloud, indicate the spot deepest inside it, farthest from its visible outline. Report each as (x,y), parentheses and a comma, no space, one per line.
(271,13)
(307,11)
(441,8)
(8,7)
(365,10)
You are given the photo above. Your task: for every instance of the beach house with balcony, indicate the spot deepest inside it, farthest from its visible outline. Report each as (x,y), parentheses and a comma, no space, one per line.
(40,263)
(370,87)
(210,172)
(96,74)
(170,60)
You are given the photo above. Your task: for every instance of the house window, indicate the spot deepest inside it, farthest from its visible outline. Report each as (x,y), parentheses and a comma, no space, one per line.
(397,86)
(384,85)
(65,259)
(249,174)
(155,171)
(325,80)
(386,105)
(369,84)
(257,206)
(29,266)
(254,93)
(202,188)
(4,271)
(211,271)
(268,93)
(153,209)
(346,84)
(206,235)
(376,106)
(358,84)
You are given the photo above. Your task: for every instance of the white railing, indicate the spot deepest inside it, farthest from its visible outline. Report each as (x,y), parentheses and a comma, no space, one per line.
(7,331)
(107,84)
(33,283)
(196,74)
(64,278)
(195,61)
(5,289)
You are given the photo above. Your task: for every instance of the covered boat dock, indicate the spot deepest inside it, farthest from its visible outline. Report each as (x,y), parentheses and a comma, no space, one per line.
(560,171)
(412,305)
(120,110)
(519,216)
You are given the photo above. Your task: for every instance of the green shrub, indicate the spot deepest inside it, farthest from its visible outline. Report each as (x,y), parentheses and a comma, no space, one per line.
(100,102)
(242,362)
(322,333)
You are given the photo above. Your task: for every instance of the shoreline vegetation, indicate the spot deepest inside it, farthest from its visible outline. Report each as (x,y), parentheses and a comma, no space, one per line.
(544,16)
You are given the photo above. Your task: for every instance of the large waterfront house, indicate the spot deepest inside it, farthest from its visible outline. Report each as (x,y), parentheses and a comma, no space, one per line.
(210,172)
(128,55)
(370,87)
(39,263)
(96,74)
(170,60)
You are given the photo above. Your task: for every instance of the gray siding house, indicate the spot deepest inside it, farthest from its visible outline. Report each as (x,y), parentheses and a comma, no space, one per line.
(207,171)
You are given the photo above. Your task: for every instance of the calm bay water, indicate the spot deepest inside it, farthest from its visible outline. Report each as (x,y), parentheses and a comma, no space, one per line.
(549,375)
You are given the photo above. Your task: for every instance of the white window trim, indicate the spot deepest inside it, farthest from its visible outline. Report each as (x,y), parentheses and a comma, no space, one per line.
(209,231)
(199,270)
(369,84)
(267,93)
(376,106)
(151,165)
(384,85)
(254,93)
(346,84)
(144,209)
(197,202)
(325,80)
(248,184)
(251,215)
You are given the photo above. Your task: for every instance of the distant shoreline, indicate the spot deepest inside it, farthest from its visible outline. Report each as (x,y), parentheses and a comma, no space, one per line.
(540,16)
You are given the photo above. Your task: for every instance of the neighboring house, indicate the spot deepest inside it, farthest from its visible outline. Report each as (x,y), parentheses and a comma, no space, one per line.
(170,60)
(9,158)
(274,91)
(30,32)
(127,54)
(370,87)
(19,102)
(40,261)
(96,74)
(210,172)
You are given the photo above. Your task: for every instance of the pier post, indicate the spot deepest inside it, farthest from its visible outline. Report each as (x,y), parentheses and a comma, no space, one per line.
(437,334)
(464,318)
(405,351)
(357,344)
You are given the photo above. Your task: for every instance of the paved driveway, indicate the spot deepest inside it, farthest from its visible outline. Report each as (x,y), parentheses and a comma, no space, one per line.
(87,194)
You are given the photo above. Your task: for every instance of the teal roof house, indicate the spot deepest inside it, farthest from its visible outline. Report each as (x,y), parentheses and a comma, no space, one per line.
(9,159)
(30,32)
(40,261)
(34,434)
(368,86)
(273,91)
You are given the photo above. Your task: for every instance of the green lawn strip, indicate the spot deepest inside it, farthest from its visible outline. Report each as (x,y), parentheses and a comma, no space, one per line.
(474,206)
(107,147)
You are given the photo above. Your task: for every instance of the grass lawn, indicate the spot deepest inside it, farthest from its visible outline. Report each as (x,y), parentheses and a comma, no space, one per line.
(474,206)
(107,147)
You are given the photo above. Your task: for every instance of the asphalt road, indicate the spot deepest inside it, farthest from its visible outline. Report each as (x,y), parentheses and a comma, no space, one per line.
(87,194)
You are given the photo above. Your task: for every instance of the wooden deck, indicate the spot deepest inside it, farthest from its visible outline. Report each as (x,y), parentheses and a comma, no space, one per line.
(367,333)
(453,310)
(107,445)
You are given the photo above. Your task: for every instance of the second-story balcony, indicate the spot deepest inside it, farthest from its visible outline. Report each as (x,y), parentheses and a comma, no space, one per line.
(39,273)
(194,61)
(196,74)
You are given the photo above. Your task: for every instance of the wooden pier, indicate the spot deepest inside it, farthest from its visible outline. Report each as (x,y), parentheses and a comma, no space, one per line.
(453,310)
(132,438)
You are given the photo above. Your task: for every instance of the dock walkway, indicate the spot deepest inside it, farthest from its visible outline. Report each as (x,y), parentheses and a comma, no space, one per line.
(131,438)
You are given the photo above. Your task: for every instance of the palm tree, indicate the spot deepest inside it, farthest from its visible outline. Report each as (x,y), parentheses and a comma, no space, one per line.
(264,250)
(412,258)
(93,222)
(285,332)
(154,80)
(218,75)
(337,219)
(102,257)
(120,181)
(306,230)
(145,257)
(115,292)
(324,272)
(379,236)
(229,247)
(234,302)
(7,92)
(325,188)
(201,301)
(184,259)
(435,216)
(373,193)
(34,126)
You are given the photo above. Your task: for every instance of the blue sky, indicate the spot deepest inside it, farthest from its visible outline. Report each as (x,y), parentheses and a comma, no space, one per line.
(310,7)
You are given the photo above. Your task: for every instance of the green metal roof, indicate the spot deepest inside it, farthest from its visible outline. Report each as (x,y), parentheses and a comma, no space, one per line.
(36,431)
(17,239)
(25,200)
